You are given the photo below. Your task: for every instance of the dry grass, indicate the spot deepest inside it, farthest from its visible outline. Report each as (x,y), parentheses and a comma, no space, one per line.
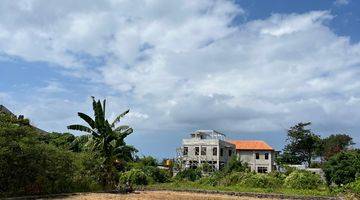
(156,195)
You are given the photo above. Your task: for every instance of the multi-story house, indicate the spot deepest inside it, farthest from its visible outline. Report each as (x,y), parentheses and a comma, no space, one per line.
(206,146)
(257,154)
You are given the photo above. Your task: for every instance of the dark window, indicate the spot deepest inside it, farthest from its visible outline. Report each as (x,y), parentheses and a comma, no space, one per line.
(203,151)
(221,151)
(257,156)
(230,152)
(186,150)
(266,156)
(262,170)
(196,150)
(215,151)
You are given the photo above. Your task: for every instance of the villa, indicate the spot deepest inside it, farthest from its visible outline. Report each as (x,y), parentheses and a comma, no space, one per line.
(257,154)
(212,147)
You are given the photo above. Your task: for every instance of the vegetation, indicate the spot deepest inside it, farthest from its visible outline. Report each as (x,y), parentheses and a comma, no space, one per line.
(334,144)
(32,163)
(343,167)
(107,141)
(303,144)
(37,163)
(301,179)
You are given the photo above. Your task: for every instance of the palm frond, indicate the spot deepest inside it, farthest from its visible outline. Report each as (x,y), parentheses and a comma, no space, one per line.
(117,119)
(78,127)
(87,119)
(121,128)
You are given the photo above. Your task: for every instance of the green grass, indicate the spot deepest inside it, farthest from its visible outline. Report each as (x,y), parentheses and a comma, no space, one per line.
(187,185)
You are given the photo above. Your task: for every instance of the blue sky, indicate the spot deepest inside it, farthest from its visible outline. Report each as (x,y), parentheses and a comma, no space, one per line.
(250,69)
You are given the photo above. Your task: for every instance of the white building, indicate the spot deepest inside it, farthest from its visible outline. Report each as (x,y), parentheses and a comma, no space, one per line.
(206,146)
(257,154)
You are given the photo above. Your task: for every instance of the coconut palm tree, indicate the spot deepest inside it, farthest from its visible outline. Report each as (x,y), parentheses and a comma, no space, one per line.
(107,140)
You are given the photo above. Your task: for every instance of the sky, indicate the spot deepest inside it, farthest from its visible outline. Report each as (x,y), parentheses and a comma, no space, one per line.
(248,68)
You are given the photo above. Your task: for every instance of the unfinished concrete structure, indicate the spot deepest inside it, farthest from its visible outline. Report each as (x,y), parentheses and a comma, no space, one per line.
(205,146)
(257,154)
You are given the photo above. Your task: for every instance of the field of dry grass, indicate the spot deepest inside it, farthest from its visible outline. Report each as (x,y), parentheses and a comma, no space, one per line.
(155,195)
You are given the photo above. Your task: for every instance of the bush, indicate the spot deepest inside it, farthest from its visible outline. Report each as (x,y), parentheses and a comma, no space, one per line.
(353,188)
(235,165)
(189,174)
(157,175)
(342,168)
(209,180)
(301,179)
(250,179)
(261,181)
(134,177)
(232,178)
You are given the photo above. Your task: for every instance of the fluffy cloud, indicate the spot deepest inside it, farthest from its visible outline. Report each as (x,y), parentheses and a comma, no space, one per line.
(186,65)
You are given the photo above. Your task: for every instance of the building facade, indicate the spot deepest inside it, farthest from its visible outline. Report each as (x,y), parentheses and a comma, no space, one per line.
(257,154)
(206,146)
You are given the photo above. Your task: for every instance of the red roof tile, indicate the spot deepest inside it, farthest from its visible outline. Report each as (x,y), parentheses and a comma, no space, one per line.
(251,145)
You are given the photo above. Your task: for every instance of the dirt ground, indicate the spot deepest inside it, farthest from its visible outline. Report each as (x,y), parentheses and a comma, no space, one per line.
(155,195)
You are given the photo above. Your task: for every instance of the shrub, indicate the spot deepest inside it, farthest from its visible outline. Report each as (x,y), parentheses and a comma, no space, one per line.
(353,188)
(134,176)
(342,168)
(189,174)
(301,179)
(232,178)
(156,174)
(250,179)
(261,181)
(235,165)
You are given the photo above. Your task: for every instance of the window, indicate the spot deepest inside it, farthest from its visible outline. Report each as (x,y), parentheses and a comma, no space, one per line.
(221,152)
(196,150)
(185,152)
(215,151)
(230,152)
(262,170)
(203,151)
(266,156)
(257,156)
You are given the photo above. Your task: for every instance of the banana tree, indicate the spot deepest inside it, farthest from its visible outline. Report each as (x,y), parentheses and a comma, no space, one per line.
(106,139)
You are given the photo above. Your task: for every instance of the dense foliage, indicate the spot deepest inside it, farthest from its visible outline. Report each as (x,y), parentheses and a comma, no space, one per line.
(343,168)
(32,163)
(134,176)
(303,145)
(189,174)
(334,144)
(301,179)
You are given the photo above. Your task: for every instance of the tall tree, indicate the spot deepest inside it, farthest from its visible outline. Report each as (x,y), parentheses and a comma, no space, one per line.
(302,146)
(107,140)
(334,144)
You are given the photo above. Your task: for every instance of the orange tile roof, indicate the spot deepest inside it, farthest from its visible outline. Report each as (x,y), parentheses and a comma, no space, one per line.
(251,145)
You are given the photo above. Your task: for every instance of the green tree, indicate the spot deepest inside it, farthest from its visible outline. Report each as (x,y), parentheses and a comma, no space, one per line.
(235,165)
(107,140)
(303,144)
(343,167)
(30,166)
(334,144)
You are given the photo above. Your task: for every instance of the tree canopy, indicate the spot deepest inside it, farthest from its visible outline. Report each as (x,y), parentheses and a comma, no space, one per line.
(302,146)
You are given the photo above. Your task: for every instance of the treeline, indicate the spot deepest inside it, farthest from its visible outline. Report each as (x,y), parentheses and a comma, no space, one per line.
(33,163)
(334,154)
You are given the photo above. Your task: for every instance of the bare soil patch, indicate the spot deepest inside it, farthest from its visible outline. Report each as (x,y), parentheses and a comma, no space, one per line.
(157,195)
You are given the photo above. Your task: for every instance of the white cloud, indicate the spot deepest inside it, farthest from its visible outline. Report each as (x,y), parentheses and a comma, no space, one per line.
(184,65)
(341,2)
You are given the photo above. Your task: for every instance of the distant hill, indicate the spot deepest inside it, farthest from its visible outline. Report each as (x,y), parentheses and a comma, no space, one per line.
(3,109)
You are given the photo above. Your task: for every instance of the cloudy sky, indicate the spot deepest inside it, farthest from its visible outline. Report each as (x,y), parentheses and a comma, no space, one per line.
(250,69)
